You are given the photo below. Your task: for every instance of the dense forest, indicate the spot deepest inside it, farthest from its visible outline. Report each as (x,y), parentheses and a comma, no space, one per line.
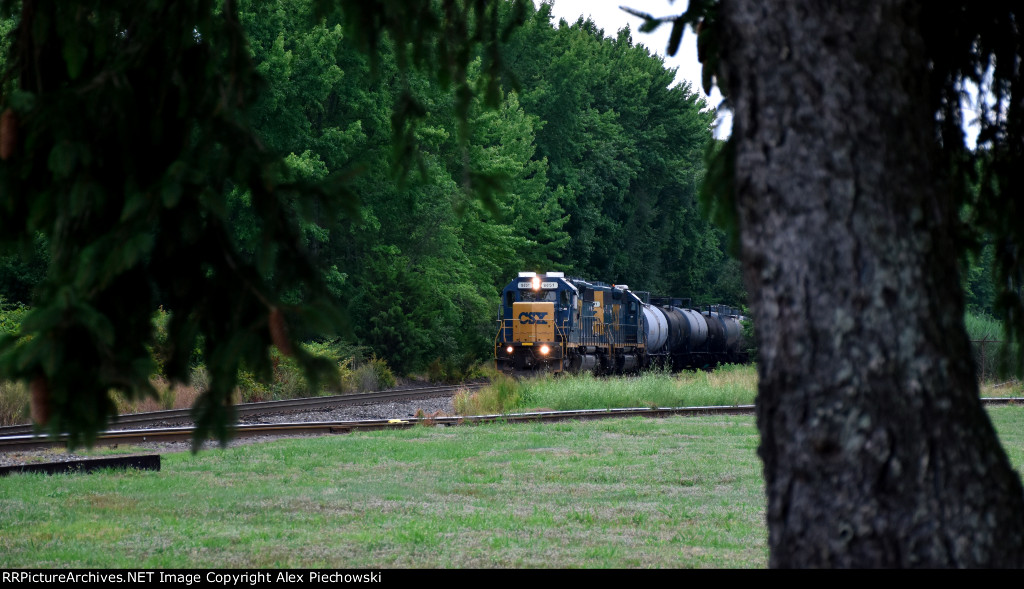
(595,156)
(594,159)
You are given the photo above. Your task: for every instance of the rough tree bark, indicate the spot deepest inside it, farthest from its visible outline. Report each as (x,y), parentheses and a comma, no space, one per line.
(876,449)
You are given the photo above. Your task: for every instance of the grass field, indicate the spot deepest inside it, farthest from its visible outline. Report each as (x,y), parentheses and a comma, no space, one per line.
(616,493)
(676,492)
(727,385)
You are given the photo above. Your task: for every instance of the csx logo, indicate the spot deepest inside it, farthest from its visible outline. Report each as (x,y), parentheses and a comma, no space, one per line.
(532,318)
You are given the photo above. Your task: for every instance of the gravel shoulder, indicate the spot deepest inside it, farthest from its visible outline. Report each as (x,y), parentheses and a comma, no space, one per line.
(392,410)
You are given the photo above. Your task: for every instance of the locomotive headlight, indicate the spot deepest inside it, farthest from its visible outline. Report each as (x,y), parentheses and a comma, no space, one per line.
(509,349)
(536,283)
(544,350)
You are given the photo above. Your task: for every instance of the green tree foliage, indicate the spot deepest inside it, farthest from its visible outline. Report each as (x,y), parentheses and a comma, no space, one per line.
(236,163)
(126,126)
(11,315)
(23,270)
(624,147)
(420,265)
(979,284)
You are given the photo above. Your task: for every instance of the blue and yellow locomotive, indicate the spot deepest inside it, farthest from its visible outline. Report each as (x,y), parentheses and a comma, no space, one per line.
(552,323)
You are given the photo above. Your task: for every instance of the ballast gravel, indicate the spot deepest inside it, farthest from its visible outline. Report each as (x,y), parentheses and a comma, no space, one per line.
(391,410)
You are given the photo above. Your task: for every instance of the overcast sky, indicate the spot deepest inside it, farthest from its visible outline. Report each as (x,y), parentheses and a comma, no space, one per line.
(607,15)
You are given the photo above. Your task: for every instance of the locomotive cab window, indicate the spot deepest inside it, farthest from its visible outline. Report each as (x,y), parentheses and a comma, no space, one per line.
(510,297)
(541,296)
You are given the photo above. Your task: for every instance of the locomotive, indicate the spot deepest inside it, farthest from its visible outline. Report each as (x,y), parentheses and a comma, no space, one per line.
(552,323)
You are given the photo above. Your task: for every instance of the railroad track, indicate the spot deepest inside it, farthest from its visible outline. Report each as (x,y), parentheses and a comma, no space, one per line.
(153,418)
(176,434)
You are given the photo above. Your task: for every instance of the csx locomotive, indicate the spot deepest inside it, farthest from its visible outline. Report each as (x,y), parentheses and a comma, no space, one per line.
(552,323)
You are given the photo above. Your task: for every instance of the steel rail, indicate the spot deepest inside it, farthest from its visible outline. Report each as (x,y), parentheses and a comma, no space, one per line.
(177,434)
(265,407)
(1002,400)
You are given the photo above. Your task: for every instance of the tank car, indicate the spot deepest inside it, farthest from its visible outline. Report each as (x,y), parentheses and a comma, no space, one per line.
(552,323)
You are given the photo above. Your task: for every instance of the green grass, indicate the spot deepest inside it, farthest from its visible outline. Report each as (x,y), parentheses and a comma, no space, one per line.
(992,355)
(727,385)
(1009,423)
(675,492)
(617,493)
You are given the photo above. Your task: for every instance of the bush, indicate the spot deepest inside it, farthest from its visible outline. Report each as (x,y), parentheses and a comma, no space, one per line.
(462,369)
(373,375)
(11,316)
(161,349)
(250,389)
(14,399)
(289,380)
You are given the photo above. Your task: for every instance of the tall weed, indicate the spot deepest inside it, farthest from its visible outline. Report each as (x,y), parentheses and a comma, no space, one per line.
(503,395)
(14,398)
(993,356)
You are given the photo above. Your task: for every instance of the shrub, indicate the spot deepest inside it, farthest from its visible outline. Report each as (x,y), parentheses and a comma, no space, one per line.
(250,390)
(14,398)
(373,375)
(365,379)
(461,369)
(289,380)
(160,350)
(346,378)
(11,316)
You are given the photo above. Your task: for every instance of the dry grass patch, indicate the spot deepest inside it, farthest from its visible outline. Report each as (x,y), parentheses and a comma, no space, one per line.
(1009,388)
(14,398)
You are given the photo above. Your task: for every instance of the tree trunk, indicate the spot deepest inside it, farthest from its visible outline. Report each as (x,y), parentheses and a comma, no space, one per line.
(876,449)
